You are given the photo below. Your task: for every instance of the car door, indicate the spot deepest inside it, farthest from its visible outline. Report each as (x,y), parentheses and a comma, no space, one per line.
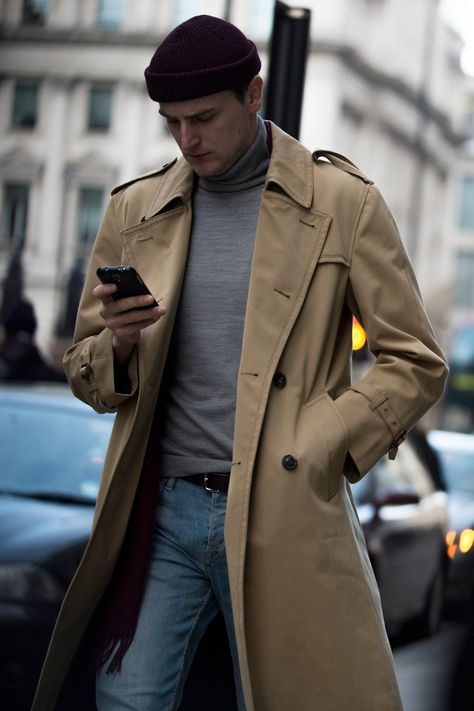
(411,526)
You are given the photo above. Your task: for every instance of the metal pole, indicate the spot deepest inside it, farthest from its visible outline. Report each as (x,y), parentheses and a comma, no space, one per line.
(288,55)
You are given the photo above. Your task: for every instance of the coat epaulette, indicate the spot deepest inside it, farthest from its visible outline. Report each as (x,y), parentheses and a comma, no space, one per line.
(341,162)
(163,169)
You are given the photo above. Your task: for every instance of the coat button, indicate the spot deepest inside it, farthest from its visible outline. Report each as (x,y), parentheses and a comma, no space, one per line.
(289,462)
(279,380)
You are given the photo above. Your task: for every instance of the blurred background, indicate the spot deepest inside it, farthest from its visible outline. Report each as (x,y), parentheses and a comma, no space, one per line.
(390,84)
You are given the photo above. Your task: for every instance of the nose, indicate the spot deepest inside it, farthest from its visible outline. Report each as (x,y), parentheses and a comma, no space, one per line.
(188,137)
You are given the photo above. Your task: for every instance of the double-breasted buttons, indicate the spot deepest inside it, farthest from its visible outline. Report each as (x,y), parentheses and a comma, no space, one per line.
(289,462)
(279,380)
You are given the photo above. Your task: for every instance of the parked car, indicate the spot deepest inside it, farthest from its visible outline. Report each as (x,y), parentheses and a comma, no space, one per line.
(51,453)
(456,453)
(403,512)
(459,394)
(52,448)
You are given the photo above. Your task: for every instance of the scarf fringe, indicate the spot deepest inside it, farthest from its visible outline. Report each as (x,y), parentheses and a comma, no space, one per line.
(116,646)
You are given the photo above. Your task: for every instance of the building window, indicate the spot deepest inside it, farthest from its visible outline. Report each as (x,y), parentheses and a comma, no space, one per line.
(91,200)
(110,14)
(100,108)
(34,12)
(466,207)
(14,213)
(465,280)
(25,104)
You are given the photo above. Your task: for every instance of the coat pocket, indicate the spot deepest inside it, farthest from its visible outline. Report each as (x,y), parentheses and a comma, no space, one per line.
(326,440)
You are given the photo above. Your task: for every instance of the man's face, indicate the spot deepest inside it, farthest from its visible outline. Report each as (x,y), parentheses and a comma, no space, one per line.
(214,131)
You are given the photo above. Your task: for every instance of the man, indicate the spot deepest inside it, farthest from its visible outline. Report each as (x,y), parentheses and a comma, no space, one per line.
(234,398)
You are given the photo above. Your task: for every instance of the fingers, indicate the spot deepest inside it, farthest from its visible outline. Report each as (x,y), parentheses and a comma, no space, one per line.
(126,317)
(126,325)
(104,292)
(111,308)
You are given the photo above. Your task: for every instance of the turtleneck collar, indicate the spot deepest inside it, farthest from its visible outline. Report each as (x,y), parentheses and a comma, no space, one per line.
(249,171)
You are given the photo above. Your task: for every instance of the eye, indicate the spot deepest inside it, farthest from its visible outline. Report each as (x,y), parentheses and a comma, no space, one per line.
(204,118)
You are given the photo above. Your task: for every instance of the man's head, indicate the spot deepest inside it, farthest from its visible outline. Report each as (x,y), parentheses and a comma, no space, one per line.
(205,77)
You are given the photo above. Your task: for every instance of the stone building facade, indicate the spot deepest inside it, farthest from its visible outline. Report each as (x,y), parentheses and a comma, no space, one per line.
(383,86)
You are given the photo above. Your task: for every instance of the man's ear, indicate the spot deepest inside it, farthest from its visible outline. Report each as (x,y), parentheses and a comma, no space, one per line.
(254,94)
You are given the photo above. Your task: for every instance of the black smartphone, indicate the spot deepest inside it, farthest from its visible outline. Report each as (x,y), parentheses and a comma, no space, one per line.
(127,280)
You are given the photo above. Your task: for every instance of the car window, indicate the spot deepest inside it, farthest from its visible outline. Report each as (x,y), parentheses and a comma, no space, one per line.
(458,469)
(462,353)
(49,449)
(405,473)
(409,472)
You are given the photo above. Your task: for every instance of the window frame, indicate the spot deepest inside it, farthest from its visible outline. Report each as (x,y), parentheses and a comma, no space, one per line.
(466,203)
(16,121)
(95,122)
(110,14)
(34,12)
(7,227)
(87,224)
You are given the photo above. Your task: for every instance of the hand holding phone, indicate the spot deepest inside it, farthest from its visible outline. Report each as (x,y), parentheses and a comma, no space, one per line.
(125,324)
(128,282)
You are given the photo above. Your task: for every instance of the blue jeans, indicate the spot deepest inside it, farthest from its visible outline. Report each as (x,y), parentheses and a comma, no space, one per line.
(187,586)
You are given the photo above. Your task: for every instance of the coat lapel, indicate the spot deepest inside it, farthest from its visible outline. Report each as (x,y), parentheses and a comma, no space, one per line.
(290,237)
(158,249)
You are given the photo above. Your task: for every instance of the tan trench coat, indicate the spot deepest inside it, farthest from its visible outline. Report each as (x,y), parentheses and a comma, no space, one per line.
(306,606)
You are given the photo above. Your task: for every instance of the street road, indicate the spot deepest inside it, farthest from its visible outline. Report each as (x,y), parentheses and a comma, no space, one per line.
(425,669)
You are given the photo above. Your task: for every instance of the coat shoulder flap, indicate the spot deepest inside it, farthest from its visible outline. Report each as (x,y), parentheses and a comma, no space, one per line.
(341,162)
(150,174)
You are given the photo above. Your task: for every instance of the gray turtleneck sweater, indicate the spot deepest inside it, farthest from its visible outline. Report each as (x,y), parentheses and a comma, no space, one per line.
(198,401)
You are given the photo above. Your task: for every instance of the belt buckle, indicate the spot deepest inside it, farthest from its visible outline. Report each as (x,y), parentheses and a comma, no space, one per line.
(208,488)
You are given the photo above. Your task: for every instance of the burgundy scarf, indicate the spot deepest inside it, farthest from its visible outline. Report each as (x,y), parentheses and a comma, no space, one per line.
(113,626)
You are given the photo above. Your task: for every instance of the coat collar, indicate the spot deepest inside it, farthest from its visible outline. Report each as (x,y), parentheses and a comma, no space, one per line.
(177,184)
(291,168)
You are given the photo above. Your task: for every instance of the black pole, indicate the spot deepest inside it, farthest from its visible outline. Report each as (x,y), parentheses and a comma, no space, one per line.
(12,287)
(288,55)
(74,285)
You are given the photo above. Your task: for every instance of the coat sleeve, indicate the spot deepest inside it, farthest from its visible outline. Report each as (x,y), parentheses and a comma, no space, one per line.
(89,362)
(409,370)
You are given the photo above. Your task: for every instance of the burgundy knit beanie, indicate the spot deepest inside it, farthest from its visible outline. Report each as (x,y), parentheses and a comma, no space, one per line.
(201,56)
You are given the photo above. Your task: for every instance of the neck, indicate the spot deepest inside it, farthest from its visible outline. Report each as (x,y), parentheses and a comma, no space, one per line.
(249,170)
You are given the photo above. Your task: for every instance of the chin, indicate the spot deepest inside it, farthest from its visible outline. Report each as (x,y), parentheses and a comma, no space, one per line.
(209,168)
(209,172)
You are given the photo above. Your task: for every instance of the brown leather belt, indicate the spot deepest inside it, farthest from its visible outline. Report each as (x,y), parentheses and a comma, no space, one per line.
(212,481)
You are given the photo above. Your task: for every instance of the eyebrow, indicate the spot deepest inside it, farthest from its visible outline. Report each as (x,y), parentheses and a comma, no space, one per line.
(198,114)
